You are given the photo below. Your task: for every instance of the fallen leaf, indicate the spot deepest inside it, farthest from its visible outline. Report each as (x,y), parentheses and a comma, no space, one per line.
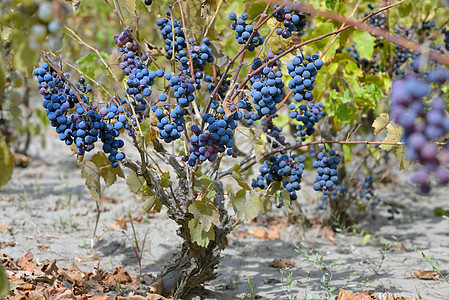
(347,295)
(42,247)
(425,275)
(120,223)
(329,234)
(263,234)
(156,287)
(32,175)
(121,275)
(21,160)
(7,244)
(49,267)
(280,263)
(3,228)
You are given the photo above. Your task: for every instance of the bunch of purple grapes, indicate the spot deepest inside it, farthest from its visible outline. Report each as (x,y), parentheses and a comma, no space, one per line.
(422,127)
(86,124)
(292,21)
(308,115)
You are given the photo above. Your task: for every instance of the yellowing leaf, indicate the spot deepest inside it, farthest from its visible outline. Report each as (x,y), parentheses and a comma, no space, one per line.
(92,175)
(135,182)
(199,235)
(126,9)
(204,213)
(4,283)
(6,163)
(259,146)
(237,175)
(108,173)
(400,153)
(394,134)
(381,122)
(246,208)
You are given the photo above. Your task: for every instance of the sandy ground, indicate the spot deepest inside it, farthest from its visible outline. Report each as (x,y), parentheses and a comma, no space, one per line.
(47,210)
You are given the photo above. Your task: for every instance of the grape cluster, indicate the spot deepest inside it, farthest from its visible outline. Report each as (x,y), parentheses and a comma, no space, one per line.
(211,86)
(422,126)
(201,55)
(379,20)
(338,193)
(86,124)
(326,167)
(282,168)
(167,29)
(308,115)
(244,31)
(303,72)
(274,133)
(292,21)
(217,137)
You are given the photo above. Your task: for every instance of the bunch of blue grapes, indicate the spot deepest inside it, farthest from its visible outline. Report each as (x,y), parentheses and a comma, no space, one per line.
(86,124)
(292,21)
(303,72)
(363,63)
(282,168)
(170,122)
(274,133)
(422,126)
(308,115)
(326,167)
(379,20)
(338,193)
(174,37)
(201,55)
(140,79)
(216,137)
(244,31)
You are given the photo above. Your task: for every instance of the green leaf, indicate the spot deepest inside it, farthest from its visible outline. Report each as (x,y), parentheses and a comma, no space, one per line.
(204,213)
(151,202)
(4,283)
(330,4)
(165,179)
(347,153)
(205,183)
(259,146)
(199,235)
(237,175)
(92,175)
(405,9)
(6,163)
(381,122)
(126,9)
(108,173)
(322,29)
(135,182)
(364,43)
(394,134)
(344,113)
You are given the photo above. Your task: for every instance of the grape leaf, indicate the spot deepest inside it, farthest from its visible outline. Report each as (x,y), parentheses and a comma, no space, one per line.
(394,134)
(257,143)
(126,9)
(135,182)
(246,208)
(401,156)
(381,122)
(151,202)
(92,175)
(364,44)
(237,175)
(108,173)
(194,21)
(4,283)
(6,163)
(207,184)
(205,213)
(199,235)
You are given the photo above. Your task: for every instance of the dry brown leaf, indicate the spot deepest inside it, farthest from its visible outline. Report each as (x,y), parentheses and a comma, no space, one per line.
(280,263)
(42,247)
(347,295)
(156,287)
(425,275)
(21,160)
(7,244)
(3,228)
(120,223)
(103,297)
(390,296)
(32,175)
(329,234)
(265,235)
